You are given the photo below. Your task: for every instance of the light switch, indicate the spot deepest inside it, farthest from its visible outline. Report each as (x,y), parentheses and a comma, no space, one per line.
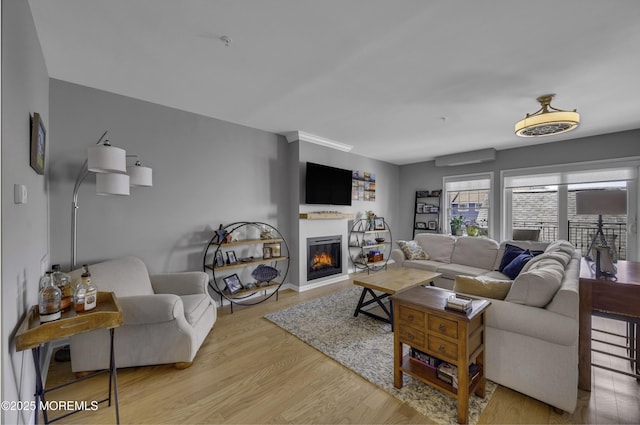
(19,194)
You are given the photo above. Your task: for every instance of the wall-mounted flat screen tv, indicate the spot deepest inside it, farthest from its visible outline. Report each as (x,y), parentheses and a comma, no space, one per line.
(327,185)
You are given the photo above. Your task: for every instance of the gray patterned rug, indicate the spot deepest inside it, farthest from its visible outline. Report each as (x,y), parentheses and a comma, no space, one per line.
(365,346)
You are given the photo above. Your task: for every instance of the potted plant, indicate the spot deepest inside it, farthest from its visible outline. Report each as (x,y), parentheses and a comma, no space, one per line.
(456,225)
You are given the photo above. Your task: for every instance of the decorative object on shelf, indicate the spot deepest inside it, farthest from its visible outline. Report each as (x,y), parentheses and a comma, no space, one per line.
(38,143)
(266,252)
(266,233)
(233,283)
(275,248)
(379,240)
(420,208)
(544,122)
(221,234)
(421,225)
(231,257)
(472,229)
(456,225)
(265,274)
(432,225)
(378,223)
(436,193)
(219,259)
(423,193)
(370,219)
(249,250)
(113,178)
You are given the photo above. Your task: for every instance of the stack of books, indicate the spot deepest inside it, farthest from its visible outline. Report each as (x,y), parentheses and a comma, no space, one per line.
(424,358)
(449,373)
(457,303)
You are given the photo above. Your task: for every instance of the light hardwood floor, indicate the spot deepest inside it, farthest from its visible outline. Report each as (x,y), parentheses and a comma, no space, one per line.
(250,371)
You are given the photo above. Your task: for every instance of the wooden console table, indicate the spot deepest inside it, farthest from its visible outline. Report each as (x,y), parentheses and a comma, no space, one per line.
(33,334)
(620,297)
(422,322)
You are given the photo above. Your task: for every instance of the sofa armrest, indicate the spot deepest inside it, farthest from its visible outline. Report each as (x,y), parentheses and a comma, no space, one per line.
(185,283)
(146,309)
(398,256)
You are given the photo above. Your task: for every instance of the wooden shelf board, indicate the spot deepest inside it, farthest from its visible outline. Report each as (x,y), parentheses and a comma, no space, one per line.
(325,216)
(246,263)
(249,242)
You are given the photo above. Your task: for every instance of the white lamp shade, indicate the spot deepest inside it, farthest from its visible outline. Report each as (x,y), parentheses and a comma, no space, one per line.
(106,159)
(140,175)
(606,201)
(112,184)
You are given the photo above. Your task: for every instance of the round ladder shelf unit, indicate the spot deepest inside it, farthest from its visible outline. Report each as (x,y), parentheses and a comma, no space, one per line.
(256,245)
(362,245)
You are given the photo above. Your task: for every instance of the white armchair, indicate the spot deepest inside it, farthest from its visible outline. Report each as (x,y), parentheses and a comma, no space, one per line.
(166,317)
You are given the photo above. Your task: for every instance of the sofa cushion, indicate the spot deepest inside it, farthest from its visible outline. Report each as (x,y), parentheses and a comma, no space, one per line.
(475,252)
(482,286)
(538,285)
(450,271)
(438,247)
(423,264)
(126,276)
(412,250)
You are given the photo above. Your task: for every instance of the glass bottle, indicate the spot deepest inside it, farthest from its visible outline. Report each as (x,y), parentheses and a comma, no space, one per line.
(49,299)
(87,293)
(61,280)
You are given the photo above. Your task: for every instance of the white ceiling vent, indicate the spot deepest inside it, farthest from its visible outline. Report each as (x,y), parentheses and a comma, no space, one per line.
(464,158)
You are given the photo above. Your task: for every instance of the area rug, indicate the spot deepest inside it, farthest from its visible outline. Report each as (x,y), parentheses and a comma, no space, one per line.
(365,345)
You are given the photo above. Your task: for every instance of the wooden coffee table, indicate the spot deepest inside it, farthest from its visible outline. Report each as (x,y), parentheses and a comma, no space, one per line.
(389,282)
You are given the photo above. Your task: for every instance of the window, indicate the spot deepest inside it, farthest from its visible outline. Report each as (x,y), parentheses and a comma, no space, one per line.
(544,198)
(469,196)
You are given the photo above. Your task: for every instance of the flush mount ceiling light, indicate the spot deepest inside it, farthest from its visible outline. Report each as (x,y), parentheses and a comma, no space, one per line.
(547,120)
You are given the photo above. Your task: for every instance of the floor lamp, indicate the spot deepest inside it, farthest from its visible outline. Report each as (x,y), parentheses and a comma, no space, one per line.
(601,201)
(113,178)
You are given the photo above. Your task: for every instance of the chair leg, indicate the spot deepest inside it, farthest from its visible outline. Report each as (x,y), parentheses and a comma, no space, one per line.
(182,365)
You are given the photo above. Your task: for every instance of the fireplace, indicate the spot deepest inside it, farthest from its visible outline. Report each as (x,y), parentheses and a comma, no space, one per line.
(324,256)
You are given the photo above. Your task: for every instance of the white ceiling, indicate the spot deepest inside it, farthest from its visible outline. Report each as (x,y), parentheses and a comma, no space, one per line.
(401,80)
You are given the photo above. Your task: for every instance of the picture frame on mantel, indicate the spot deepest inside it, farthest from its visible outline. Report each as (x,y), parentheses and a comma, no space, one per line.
(38,144)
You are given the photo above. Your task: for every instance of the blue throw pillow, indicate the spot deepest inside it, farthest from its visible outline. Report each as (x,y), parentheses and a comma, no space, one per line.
(510,252)
(514,267)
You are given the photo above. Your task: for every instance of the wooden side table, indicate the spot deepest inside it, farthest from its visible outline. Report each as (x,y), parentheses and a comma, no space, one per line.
(33,334)
(422,322)
(618,298)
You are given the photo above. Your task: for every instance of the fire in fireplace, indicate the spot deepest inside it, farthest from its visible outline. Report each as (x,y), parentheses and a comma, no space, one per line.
(324,256)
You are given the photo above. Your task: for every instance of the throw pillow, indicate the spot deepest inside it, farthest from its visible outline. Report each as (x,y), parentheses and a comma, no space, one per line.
(510,252)
(412,251)
(512,270)
(482,286)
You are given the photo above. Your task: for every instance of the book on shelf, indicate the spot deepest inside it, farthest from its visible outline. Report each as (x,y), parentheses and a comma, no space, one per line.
(449,373)
(424,358)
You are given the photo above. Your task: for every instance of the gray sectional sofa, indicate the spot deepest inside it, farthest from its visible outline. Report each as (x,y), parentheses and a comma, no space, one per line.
(532,334)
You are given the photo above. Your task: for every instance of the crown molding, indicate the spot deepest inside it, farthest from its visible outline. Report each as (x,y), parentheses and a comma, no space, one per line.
(295,136)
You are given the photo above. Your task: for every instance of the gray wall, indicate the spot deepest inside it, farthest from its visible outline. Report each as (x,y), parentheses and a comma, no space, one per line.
(25,90)
(426,175)
(205,172)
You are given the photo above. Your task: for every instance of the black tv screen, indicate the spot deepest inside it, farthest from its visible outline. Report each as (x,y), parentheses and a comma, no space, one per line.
(327,185)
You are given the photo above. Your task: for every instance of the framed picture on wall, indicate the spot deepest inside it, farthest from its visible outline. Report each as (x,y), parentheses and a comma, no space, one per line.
(38,143)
